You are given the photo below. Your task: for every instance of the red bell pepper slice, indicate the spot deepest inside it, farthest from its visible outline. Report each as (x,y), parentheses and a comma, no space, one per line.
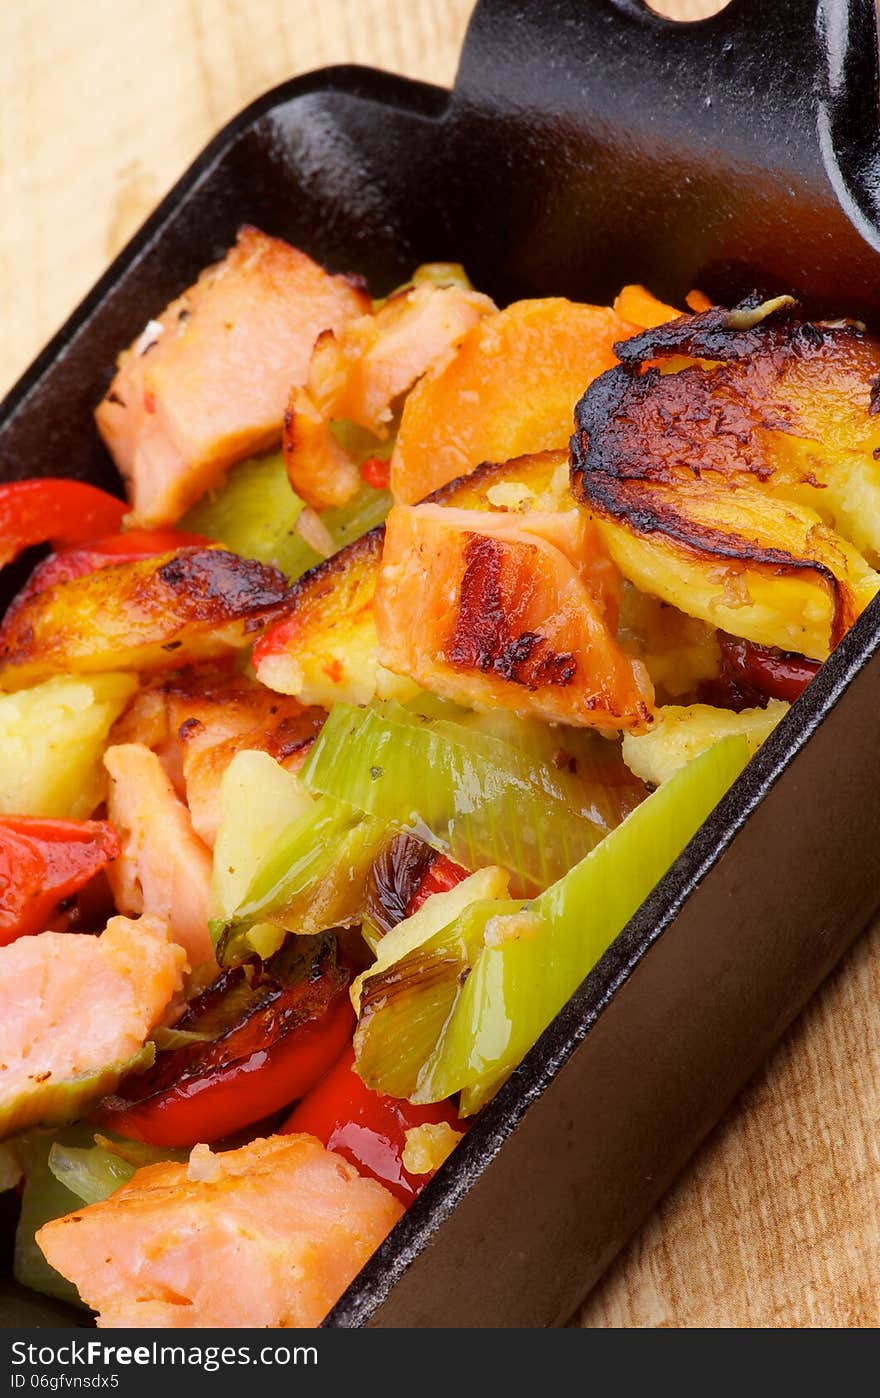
(376,472)
(271,1056)
(403,875)
(442,875)
(51,510)
(42,862)
(367,1128)
(760,670)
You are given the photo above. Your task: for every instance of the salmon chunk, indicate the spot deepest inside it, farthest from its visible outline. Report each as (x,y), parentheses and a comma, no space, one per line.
(206,384)
(76,1006)
(198,721)
(164,869)
(360,375)
(266,1236)
(510,610)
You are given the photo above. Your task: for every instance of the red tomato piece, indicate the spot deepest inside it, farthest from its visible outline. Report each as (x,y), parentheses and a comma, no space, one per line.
(129,547)
(367,1128)
(277,1049)
(42,862)
(50,510)
(376,472)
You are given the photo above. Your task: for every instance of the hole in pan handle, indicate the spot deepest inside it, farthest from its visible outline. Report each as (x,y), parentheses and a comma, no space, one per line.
(734,152)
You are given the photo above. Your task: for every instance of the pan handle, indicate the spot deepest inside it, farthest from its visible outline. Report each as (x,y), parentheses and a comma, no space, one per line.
(765,110)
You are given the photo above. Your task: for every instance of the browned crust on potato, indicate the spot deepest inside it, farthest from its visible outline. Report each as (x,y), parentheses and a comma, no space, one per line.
(153,614)
(535,470)
(643,508)
(351,568)
(635,422)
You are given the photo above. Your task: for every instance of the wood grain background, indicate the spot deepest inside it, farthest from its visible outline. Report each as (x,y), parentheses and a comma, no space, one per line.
(103,103)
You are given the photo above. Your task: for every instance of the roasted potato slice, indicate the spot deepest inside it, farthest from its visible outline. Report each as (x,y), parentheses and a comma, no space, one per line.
(325,650)
(156,614)
(682,733)
(721,473)
(783,404)
(762,568)
(538,481)
(681,653)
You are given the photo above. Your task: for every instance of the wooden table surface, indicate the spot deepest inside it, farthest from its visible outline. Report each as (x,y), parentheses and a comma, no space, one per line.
(102,104)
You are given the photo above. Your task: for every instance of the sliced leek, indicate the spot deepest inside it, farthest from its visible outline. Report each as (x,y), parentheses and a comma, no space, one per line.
(496,976)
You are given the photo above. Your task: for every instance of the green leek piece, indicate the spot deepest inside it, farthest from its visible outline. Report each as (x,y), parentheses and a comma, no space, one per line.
(63,1171)
(311,878)
(360,443)
(256,511)
(89,1172)
(507,975)
(51,1103)
(486,800)
(402,1011)
(348,522)
(435,915)
(92,1172)
(44,1198)
(259,800)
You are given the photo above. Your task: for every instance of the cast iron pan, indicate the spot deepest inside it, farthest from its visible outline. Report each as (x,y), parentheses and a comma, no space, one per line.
(587,143)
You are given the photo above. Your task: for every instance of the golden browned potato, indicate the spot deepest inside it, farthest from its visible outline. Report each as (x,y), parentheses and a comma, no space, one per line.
(735,476)
(765,569)
(324,650)
(155,614)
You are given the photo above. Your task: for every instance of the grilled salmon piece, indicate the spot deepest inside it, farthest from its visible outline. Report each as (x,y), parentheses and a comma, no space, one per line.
(164,869)
(75,1007)
(510,390)
(509,610)
(267,1236)
(324,648)
(206,384)
(358,375)
(197,722)
(155,614)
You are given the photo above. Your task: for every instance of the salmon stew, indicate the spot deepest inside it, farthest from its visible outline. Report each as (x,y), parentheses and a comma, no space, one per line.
(334,758)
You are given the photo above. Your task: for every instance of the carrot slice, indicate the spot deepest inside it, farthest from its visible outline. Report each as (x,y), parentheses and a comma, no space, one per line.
(637,304)
(510,390)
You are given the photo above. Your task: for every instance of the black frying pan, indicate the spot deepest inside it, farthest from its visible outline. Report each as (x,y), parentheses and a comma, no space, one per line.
(587,143)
